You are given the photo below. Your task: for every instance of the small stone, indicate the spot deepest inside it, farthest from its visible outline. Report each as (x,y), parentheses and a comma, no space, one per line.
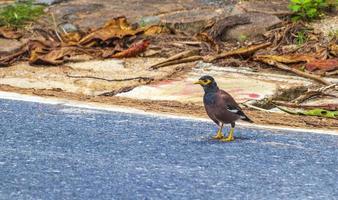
(260,23)
(48,2)
(192,20)
(278,8)
(68,27)
(149,20)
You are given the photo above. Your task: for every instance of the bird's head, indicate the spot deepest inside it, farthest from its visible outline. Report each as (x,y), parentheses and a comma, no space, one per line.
(208,83)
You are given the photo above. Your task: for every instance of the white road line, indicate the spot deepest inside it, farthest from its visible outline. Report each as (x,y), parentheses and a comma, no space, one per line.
(105,107)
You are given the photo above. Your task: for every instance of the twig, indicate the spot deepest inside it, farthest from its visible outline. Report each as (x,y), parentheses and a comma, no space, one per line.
(296,71)
(174,62)
(323,89)
(55,28)
(331,73)
(255,107)
(313,93)
(112,80)
(192,43)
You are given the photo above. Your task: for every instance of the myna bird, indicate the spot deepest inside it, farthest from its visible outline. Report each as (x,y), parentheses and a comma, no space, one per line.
(220,107)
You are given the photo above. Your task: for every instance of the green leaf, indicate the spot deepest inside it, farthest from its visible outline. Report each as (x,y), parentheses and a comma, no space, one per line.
(295,18)
(312,12)
(295,8)
(295,1)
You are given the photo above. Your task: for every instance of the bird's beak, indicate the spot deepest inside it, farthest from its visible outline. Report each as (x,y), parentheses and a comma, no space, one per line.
(198,82)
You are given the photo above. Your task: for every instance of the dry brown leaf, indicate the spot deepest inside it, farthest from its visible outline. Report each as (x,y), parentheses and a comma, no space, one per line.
(204,37)
(72,38)
(323,65)
(51,51)
(9,33)
(53,57)
(7,60)
(134,50)
(116,28)
(334,49)
(33,44)
(156,29)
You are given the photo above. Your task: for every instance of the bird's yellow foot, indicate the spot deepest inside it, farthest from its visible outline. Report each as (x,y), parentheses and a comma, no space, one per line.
(219,135)
(230,136)
(227,139)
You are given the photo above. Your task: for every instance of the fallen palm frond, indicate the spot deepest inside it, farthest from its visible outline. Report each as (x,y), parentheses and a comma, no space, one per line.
(180,61)
(317,92)
(241,51)
(295,105)
(178,58)
(314,112)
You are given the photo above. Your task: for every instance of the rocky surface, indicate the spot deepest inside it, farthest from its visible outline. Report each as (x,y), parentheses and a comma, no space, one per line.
(187,15)
(85,13)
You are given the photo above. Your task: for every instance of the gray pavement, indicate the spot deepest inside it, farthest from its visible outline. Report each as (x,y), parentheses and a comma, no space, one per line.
(59,152)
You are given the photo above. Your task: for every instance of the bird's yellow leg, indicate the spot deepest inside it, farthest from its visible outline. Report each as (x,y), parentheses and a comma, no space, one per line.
(230,136)
(219,133)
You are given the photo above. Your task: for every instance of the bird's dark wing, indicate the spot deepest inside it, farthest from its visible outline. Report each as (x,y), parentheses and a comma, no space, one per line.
(230,105)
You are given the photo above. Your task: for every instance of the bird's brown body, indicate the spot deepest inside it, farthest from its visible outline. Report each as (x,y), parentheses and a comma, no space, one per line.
(220,107)
(218,112)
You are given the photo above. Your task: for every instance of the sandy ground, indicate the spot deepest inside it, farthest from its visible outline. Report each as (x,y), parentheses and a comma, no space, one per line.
(186,109)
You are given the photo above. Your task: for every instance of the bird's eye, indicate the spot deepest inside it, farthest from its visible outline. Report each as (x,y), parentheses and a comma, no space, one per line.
(207,81)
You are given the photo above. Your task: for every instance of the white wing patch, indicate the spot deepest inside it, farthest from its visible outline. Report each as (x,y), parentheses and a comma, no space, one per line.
(236,111)
(233,110)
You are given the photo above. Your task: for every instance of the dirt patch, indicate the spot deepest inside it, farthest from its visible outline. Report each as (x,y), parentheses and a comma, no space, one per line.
(185,109)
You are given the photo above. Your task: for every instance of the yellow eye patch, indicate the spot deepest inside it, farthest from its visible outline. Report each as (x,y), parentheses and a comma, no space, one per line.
(203,82)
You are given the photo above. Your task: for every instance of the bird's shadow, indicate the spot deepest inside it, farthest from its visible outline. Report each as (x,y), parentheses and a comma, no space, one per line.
(209,139)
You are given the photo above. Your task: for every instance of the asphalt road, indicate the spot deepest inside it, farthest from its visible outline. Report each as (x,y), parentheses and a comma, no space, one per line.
(59,152)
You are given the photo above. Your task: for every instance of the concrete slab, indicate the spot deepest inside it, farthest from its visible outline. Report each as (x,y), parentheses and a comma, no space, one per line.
(90,77)
(240,83)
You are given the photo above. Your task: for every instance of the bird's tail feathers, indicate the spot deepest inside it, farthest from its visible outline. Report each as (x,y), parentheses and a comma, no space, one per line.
(246,118)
